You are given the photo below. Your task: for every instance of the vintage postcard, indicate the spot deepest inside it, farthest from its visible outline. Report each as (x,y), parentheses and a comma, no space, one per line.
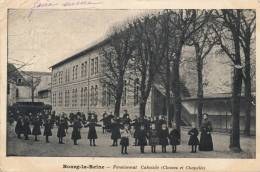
(95,85)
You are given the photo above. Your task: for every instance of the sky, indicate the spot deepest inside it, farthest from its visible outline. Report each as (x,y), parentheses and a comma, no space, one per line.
(45,37)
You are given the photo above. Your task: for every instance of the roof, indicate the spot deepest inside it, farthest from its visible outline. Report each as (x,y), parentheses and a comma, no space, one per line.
(36,73)
(13,74)
(81,53)
(184,90)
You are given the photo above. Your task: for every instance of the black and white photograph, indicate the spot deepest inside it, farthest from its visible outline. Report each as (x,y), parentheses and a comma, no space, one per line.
(132,83)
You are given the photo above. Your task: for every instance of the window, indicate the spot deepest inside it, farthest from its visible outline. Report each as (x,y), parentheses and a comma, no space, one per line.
(85,96)
(136,91)
(76,72)
(104,95)
(92,96)
(86,69)
(82,70)
(68,79)
(73,73)
(110,98)
(92,66)
(61,77)
(76,96)
(54,99)
(60,100)
(72,99)
(55,78)
(96,95)
(96,65)
(124,94)
(67,74)
(68,101)
(67,98)
(19,81)
(82,97)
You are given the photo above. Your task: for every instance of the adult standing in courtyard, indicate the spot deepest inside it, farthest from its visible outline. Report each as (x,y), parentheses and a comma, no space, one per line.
(206,143)
(19,126)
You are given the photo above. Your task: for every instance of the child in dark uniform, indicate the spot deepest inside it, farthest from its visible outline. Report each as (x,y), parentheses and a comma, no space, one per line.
(47,129)
(115,131)
(174,138)
(61,130)
(19,126)
(36,127)
(153,138)
(26,127)
(142,138)
(164,134)
(92,134)
(193,141)
(76,130)
(125,134)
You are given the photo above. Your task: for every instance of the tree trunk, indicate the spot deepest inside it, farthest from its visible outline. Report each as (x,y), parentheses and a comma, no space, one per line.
(32,90)
(168,95)
(248,96)
(32,95)
(177,94)
(235,103)
(117,106)
(236,94)
(168,98)
(119,92)
(200,90)
(142,107)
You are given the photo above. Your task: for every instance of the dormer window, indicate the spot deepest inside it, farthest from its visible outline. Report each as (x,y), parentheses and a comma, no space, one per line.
(19,81)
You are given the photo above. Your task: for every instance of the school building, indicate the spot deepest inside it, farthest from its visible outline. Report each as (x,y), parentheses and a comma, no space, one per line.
(77,87)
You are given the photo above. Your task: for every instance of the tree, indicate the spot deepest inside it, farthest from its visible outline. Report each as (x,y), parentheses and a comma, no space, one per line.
(165,67)
(32,81)
(149,50)
(116,57)
(203,42)
(227,30)
(248,26)
(183,28)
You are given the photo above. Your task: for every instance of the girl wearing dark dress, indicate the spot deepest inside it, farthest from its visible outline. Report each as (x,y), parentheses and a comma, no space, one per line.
(142,138)
(164,135)
(76,130)
(26,128)
(153,138)
(47,129)
(115,131)
(19,127)
(206,143)
(136,125)
(105,120)
(125,134)
(174,138)
(36,128)
(193,141)
(66,119)
(92,134)
(61,130)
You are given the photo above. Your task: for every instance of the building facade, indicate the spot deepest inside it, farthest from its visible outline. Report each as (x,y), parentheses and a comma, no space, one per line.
(42,84)
(19,87)
(77,86)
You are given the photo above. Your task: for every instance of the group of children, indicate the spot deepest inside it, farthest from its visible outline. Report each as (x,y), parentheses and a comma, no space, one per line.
(146,132)
(154,137)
